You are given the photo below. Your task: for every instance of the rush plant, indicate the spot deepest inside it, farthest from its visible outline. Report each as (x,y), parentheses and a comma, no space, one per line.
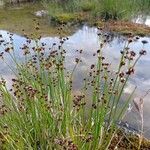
(41,110)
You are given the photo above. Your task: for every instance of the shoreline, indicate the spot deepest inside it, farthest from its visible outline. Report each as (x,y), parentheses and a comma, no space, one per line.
(22,21)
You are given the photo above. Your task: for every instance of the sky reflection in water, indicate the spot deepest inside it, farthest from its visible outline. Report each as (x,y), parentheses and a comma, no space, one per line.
(142,19)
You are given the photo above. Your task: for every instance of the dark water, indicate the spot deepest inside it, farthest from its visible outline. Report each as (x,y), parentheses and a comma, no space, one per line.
(87,40)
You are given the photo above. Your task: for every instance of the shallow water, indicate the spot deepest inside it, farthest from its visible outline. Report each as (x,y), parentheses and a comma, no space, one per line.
(87,40)
(142,19)
(20,18)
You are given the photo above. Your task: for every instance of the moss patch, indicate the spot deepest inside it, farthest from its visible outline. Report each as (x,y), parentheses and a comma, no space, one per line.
(65,18)
(71,18)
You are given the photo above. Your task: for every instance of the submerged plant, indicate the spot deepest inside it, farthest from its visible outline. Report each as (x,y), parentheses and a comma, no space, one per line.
(41,110)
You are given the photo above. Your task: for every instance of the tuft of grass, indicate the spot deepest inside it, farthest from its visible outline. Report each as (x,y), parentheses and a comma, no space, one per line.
(117,9)
(41,111)
(105,9)
(65,18)
(87,6)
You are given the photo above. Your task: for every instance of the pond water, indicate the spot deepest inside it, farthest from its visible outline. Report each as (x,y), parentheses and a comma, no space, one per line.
(142,19)
(86,39)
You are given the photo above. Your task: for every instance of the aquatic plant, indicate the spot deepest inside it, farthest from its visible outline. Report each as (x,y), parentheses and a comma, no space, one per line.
(105,9)
(42,111)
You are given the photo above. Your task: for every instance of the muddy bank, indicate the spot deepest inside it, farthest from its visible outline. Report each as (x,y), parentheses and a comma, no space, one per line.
(125,27)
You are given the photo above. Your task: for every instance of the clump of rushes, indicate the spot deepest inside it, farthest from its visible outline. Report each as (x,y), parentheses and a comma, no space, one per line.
(42,112)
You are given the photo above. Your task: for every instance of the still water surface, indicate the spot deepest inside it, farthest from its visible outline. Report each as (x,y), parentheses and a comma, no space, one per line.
(142,19)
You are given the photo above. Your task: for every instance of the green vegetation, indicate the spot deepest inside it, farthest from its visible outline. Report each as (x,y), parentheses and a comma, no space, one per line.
(105,9)
(41,111)
(116,13)
(8,2)
(19,18)
(66,17)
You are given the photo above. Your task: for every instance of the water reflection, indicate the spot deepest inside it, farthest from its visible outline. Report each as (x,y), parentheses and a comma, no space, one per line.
(87,40)
(142,19)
